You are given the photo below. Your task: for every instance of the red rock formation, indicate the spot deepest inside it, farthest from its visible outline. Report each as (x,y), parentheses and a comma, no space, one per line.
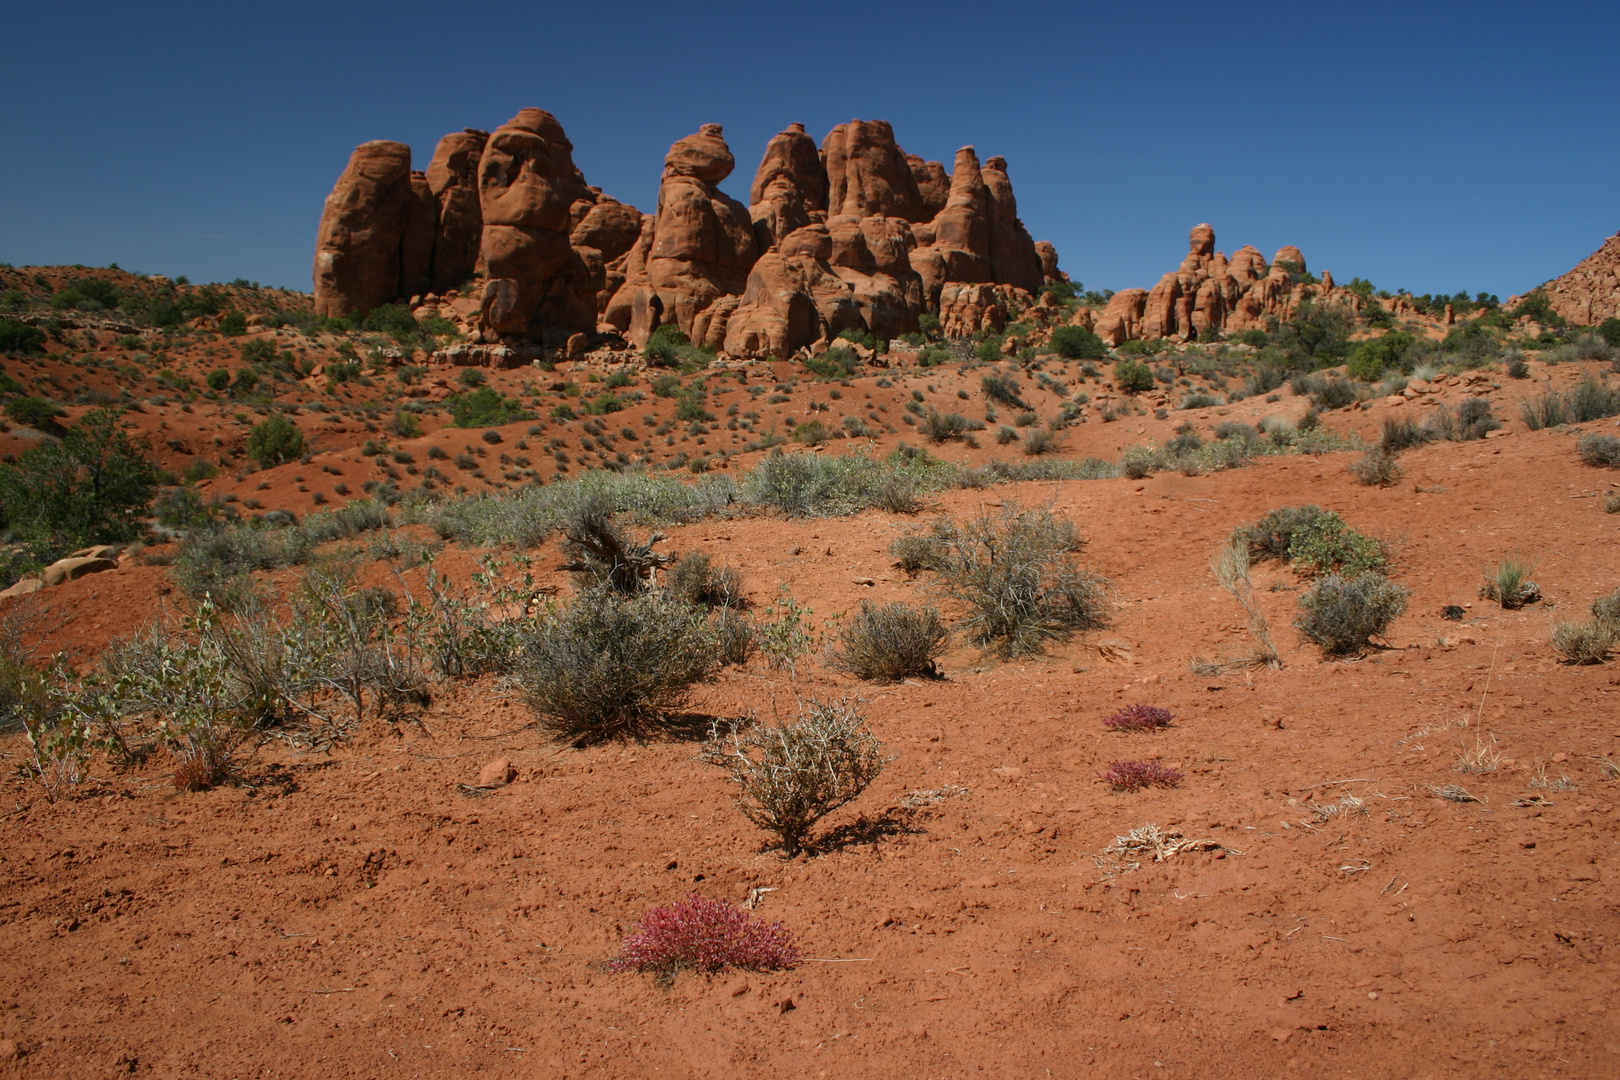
(452,176)
(1049,262)
(1013,258)
(790,187)
(1590,292)
(1210,291)
(702,247)
(868,174)
(933,184)
(793,298)
(357,247)
(535,284)
(416,245)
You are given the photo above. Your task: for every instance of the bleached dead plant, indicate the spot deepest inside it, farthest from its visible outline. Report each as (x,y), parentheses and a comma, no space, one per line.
(793,775)
(1482,757)
(1230,565)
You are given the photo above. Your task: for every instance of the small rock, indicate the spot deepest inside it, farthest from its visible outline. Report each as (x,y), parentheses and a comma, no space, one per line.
(8,1050)
(24,587)
(496,773)
(73,569)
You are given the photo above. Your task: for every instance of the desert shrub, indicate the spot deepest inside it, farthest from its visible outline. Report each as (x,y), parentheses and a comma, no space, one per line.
(1326,545)
(694,579)
(1602,451)
(1403,433)
(811,433)
(274,440)
(1606,609)
(1038,441)
(1515,366)
(943,427)
(1370,359)
(1006,434)
(785,634)
(889,643)
(838,362)
(791,776)
(1132,376)
(216,564)
(915,552)
(606,668)
(1471,420)
(736,642)
(1273,535)
(1324,392)
(34,412)
(1593,347)
(603,554)
(480,629)
(1507,582)
(92,485)
(669,347)
(484,408)
(1003,388)
(1139,718)
(346,522)
(1016,576)
(1138,462)
(1344,614)
(1590,399)
(1316,336)
(1585,642)
(1077,343)
(707,936)
(1136,775)
(18,337)
(1378,467)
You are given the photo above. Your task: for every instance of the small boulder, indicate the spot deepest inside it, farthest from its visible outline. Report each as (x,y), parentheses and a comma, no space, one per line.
(73,569)
(496,773)
(23,588)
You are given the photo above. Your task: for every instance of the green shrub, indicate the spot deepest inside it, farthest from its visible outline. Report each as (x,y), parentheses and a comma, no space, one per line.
(1016,577)
(17,336)
(694,579)
(1378,467)
(483,407)
(1132,376)
(1038,441)
(1609,330)
(258,351)
(1078,343)
(1003,388)
(792,775)
(274,440)
(1325,393)
(607,667)
(1606,609)
(35,412)
(1326,545)
(811,433)
(837,362)
(218,563)
(1343,614)
(218,379)
(93,485)
(1590,399)
(1508,582)
(943,427)
(890,643)
(1370,359)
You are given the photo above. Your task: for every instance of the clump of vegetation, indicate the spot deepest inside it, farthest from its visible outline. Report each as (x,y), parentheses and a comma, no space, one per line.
(484,407)
(1343,614)
(1322,544)
(1585,642)
(708,936)
(606,667)
(1015,574)
(94,485)
(1003,389)
(1508,582)
(1139,718)
(1132,376)
(1230,565)
(792,775)
(1136,775)
(695,579)
(1599,451)
(890,643)
(1378,467)
(1325,393)
(1590,399)
(1077,343)
(274,440)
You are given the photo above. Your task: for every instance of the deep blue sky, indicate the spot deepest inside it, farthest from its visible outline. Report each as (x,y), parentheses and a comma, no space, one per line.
(1433,146)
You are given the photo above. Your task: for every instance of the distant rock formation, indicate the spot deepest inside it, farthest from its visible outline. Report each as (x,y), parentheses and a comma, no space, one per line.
(1590,292)
(855,234)
(1208,290)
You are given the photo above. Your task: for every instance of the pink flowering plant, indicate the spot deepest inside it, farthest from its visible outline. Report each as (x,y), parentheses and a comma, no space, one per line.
(705,935)
(1139,718)
(1136,775)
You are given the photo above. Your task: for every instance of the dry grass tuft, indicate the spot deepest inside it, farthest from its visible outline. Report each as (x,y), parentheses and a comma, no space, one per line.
(1482,758)
(1454,793)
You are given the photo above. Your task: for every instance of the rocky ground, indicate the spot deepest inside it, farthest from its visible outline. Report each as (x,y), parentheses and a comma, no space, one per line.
(375,912)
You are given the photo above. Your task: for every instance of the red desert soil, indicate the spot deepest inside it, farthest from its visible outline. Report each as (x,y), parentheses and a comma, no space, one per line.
(359,915)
